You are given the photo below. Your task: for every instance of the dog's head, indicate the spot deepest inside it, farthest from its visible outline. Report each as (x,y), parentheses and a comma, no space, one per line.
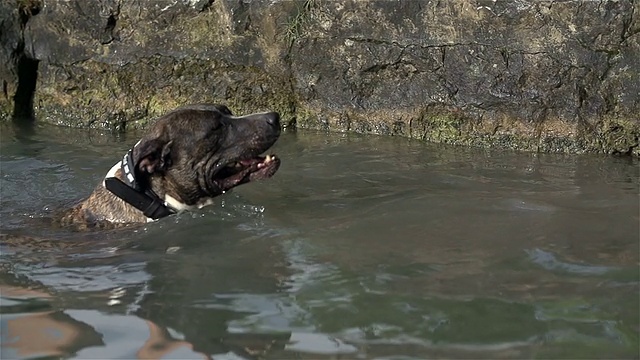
(201,151)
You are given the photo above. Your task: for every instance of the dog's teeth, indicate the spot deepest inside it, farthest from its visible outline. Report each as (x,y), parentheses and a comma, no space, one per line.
(267,159)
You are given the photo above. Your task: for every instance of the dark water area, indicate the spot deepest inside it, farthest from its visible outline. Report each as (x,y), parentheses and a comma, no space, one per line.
(358,248)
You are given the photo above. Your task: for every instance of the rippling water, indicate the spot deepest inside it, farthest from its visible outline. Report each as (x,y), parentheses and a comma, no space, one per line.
(360,247)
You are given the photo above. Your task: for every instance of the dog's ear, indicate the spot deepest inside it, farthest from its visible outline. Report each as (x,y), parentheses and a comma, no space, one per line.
(151,156)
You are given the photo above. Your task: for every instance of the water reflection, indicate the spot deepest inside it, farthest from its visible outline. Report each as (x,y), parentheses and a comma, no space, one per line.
(360,247)
(84,333)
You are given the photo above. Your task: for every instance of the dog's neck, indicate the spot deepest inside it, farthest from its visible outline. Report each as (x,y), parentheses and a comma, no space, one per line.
(135,192)
(104,209)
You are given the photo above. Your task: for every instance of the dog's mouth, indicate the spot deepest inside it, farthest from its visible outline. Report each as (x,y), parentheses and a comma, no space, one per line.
(245,170)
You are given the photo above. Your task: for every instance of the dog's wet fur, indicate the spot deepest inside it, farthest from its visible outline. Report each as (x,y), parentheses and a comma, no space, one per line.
(187,157)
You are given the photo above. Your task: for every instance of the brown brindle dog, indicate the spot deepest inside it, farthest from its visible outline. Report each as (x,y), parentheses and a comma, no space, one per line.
(188,157)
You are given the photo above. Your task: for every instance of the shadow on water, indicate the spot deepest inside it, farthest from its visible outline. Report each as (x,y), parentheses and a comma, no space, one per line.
(360,247)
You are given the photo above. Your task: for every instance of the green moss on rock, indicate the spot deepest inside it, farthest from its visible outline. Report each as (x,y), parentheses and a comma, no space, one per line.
(617,136)
(372,67)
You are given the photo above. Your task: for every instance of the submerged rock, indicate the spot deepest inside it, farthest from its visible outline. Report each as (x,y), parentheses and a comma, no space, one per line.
(532,75)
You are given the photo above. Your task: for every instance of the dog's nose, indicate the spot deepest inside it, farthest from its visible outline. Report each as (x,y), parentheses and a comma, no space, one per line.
(273,118)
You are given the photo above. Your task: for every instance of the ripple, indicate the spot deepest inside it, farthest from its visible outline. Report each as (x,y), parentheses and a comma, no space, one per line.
(549,261)
(87,279)
(319,344)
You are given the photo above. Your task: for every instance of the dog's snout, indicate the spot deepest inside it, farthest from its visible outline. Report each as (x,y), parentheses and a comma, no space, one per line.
(273,118)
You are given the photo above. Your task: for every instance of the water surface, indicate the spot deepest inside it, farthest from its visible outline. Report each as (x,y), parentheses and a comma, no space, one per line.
(359,247)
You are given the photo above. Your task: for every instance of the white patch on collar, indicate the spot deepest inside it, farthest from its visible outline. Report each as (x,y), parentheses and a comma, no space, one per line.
(112,172)
(180,206)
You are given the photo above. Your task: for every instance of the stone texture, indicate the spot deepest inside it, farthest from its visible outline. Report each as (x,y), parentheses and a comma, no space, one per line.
(11,46)
(559,76)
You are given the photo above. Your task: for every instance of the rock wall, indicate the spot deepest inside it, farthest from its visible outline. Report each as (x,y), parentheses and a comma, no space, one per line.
(534,75)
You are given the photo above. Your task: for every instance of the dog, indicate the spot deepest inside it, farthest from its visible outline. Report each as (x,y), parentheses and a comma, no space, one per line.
(188,156)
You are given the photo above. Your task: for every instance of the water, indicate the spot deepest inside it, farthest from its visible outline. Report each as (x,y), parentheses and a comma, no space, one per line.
(359,248)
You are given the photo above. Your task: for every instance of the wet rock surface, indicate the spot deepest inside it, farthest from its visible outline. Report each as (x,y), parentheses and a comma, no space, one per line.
(559,76)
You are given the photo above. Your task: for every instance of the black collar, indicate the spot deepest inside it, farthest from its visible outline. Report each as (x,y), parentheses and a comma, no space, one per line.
(136,194)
